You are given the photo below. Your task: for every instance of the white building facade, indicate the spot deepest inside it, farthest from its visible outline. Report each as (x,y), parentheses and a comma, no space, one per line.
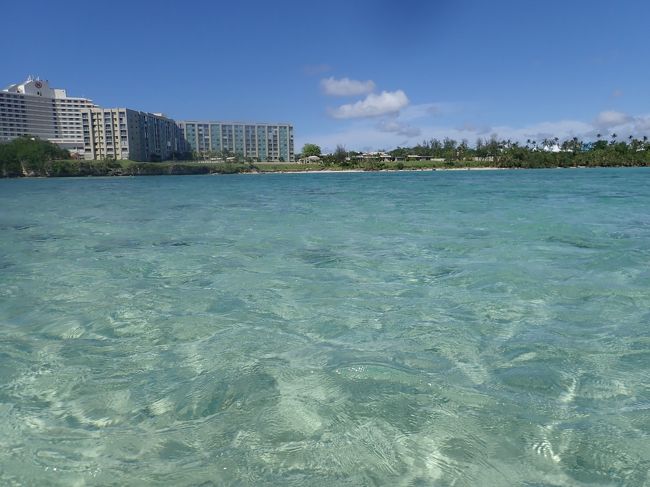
(122,133)
(34,108)
(255,141)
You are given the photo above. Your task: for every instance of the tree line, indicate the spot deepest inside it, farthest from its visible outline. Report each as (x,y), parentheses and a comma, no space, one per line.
(29,155)
(547,152)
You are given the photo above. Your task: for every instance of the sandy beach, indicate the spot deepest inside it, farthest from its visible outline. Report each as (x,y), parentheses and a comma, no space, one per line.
(334,171)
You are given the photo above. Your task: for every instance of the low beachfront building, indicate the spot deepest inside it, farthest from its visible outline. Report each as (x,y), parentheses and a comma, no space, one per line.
(34,108)
(379,155)
(255,141)
(310,160)
(122,133)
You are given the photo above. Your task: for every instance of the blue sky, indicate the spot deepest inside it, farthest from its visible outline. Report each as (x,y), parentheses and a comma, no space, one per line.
(365,74)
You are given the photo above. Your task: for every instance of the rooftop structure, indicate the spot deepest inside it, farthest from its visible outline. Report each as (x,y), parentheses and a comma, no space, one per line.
(34,108)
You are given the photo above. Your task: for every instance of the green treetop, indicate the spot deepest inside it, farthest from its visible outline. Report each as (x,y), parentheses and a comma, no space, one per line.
(310,150)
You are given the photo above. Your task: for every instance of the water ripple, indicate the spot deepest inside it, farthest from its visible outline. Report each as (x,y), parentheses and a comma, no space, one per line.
(349,329)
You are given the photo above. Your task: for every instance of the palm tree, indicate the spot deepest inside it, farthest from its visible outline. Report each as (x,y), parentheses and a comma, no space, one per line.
(577,144)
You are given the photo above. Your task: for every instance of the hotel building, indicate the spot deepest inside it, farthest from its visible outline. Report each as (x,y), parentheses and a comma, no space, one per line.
(121,133)
(257,141)
(77,124)
(33,108)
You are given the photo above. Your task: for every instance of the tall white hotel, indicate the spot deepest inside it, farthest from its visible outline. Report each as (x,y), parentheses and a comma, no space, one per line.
(77,124)
(33,108)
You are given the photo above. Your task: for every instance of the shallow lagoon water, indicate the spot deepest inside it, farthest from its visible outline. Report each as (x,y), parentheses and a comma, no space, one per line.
(420,329)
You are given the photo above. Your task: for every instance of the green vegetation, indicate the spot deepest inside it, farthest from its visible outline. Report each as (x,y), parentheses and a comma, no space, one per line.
(340,154)
(71,167)
(28,156)
(286,167)
(310,150)
(550,152)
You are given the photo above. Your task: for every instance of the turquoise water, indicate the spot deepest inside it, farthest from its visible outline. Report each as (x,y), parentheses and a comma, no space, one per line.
(420,329)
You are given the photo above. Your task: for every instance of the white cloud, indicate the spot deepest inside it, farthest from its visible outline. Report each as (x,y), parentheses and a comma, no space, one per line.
(373,105)
(429,110)
(611,118)
(346,86)
(543,130)
(480,129)
(356,137)
(399,128)
(390,133)
(641,126)
(402,124)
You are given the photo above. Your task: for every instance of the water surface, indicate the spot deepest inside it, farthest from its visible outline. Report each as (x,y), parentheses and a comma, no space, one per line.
(420,329)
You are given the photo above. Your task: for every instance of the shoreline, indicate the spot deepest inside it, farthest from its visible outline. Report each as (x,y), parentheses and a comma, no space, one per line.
(435,169)
(432,169)
(347,171)
(130,168)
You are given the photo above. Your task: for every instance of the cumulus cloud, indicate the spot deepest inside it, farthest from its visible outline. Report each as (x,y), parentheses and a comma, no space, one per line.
(611,118)
(641,126)
(474,128)
(400,128)
(387,120)
(428,111)
(373,105)
(390,133)
(346,86)
(356,137)
(543,130)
